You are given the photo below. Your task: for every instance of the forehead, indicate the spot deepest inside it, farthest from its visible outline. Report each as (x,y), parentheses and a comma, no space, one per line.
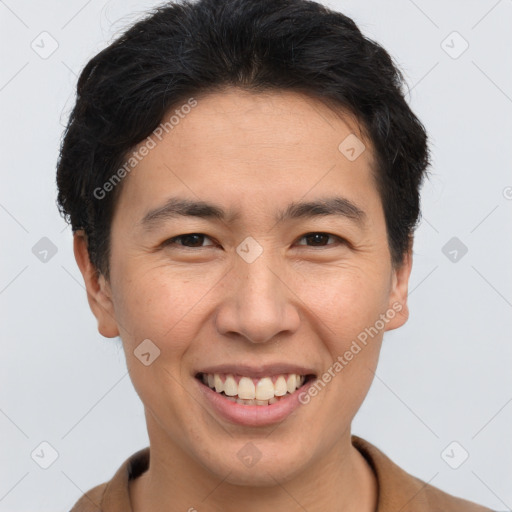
(270,120)
(252,149)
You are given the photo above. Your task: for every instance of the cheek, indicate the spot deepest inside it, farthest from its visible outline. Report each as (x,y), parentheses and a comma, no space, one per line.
(153,306)
(349,299)
(351,306)
(157,306)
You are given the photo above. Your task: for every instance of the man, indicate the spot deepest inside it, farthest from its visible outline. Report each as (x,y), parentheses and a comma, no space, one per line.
(242,179)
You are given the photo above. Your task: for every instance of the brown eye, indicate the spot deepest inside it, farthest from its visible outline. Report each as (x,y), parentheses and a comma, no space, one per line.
(190,240)
(320,239)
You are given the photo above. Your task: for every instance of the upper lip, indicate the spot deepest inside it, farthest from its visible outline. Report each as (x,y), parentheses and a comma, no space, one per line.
(258,371)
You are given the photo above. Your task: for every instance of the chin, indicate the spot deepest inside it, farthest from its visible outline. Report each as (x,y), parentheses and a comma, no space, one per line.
(257,463)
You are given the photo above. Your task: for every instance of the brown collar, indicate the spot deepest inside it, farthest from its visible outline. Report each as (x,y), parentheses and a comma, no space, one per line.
(398,491)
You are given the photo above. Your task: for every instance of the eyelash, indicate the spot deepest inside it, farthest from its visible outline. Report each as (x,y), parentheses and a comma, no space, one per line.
(173,241)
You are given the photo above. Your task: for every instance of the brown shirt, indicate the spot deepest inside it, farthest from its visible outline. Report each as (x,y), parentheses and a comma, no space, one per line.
(397,490)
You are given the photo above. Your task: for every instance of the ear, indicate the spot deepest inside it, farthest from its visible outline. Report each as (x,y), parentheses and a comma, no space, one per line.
(399,291)
(97,287)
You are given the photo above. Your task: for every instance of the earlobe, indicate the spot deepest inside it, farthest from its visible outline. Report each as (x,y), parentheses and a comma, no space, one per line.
(97,287)
(399,293)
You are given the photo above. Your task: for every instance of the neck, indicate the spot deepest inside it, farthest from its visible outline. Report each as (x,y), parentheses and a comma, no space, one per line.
(341,481)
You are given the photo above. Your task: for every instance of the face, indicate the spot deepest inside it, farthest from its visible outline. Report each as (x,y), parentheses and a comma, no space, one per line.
(245,300)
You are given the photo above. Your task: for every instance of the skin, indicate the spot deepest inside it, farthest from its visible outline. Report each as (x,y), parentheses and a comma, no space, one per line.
(299,301)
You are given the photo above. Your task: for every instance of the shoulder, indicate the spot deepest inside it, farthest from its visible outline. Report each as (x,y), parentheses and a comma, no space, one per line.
(399,490)
(434,499)
(114,495)
(91,500)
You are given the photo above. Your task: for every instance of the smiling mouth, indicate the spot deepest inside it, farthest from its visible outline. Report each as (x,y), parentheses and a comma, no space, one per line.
(254,391)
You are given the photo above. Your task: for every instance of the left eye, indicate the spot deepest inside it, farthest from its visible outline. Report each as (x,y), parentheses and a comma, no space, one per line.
(318,238)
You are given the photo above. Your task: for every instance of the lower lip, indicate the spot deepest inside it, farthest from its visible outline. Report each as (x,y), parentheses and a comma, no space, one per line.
(252,415)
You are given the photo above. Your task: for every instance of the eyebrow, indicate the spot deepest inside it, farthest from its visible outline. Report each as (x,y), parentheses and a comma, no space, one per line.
(179,207)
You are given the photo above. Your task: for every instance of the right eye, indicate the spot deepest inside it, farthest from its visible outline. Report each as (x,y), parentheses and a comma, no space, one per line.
(189,240)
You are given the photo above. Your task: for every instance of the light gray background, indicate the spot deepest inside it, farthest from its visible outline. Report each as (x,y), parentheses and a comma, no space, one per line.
(445,376)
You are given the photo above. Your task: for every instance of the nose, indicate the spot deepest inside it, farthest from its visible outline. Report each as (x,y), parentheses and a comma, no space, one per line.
(259,303)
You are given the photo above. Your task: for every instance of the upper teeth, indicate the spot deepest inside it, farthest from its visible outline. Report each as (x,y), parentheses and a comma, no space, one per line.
(248,388)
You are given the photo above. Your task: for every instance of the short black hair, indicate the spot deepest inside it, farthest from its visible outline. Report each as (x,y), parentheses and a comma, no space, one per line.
(184,49)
